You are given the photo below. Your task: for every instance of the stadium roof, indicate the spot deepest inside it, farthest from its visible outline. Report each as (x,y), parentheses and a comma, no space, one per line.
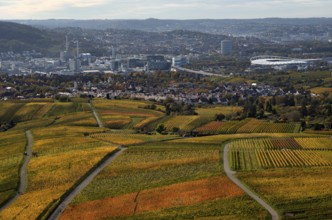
(276,61)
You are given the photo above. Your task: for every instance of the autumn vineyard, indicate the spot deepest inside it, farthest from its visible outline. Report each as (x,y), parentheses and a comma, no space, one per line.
(171,166)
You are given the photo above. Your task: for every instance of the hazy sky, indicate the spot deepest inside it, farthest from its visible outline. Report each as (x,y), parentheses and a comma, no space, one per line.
(162,9)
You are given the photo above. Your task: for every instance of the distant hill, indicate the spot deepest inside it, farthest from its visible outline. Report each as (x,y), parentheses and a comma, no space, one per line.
(18,37)
(215,26)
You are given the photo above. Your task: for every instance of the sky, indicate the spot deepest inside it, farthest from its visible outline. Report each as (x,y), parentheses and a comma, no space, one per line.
(163,9)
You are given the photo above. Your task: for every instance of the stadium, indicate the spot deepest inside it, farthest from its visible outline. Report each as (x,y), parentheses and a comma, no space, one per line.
(281,63)
(276,61)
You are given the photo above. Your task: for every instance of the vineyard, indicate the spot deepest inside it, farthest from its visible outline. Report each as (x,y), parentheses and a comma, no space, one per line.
(183,122)
(61,156)
(106,104)
(296,192)
(150,179)
(11,154)
(156,199)
(321,90)
(319,143)
(126,114)
(130,139)
(28,111)
(251,154)
(77,119)
(211,112)
(158,176)
(62,108)
(247,126)
(160,164)
(8,110)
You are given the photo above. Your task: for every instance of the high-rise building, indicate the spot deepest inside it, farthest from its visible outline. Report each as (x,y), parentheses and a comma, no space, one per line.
(75,65)
(157,62)
(226,47)
(179,61)
(113,53)
(64,55)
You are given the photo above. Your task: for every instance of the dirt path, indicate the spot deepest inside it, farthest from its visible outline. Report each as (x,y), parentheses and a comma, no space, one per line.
(23,170)
(100,123)
(61,207)
(231,176)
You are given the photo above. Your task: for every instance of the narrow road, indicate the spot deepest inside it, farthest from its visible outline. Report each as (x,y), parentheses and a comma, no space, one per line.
(100,123)
(231,175)
(61,207)
(23,171)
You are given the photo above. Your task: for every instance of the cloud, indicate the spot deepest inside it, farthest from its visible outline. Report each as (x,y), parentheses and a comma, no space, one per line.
(174,9)
(24,8)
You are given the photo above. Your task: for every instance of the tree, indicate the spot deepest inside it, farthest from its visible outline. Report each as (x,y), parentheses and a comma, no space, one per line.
(249,109)
(175,130)
(273,100)
(260,113)
(161,128)
(303,110)
(268,107)
(220,117)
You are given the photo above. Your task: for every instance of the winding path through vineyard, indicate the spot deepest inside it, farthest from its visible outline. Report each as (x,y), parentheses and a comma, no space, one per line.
(100,123)
(23,170)
(61,207)
(64,203)
(235,180)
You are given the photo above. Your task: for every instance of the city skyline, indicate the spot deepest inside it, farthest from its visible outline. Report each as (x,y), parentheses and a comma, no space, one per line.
(162,9)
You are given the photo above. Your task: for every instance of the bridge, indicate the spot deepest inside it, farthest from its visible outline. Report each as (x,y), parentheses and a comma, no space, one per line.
(199,72)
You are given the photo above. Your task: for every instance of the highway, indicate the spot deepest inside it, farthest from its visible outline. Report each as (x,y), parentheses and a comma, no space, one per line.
(200,72)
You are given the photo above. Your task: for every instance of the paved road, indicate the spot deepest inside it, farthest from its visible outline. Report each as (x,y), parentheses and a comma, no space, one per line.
(23,171)
(231,175)
(61,207)
(100,123)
